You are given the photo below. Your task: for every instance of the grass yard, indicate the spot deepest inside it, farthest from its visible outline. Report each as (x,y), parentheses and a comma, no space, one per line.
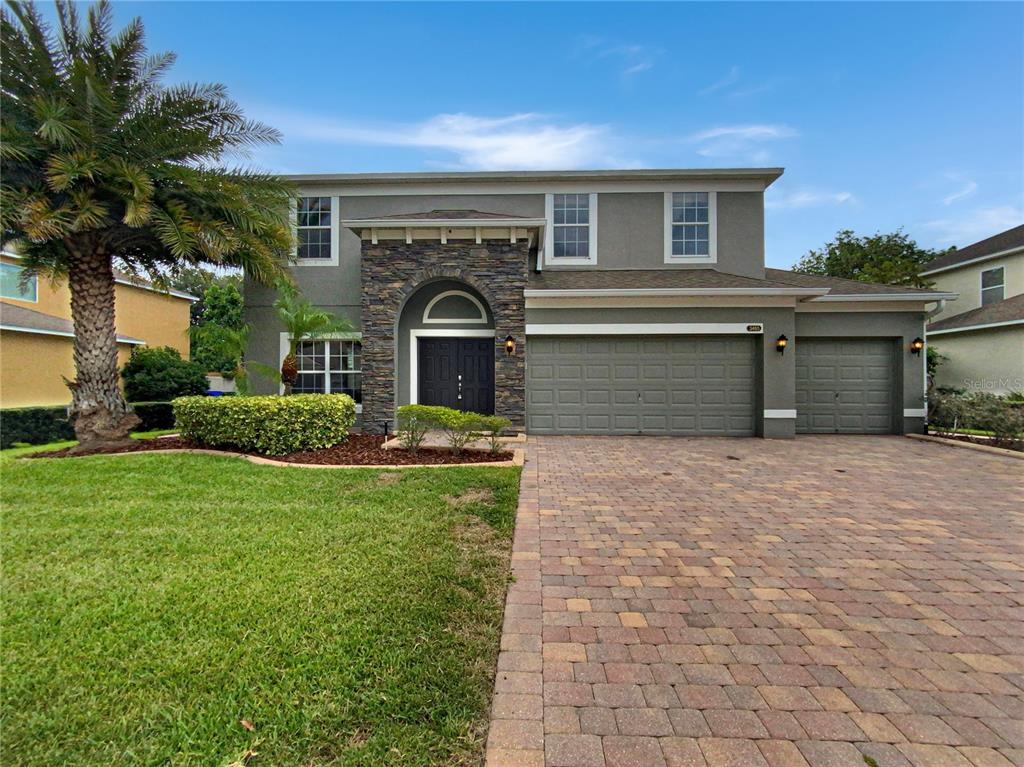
(152,603)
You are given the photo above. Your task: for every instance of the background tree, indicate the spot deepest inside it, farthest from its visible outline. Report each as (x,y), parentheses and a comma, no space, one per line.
(222,309)
(301,320)
(100,162)
(891,259)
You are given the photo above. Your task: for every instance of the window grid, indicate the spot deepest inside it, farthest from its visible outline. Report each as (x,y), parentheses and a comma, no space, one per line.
(313,223)
(11,287)
(691,227)
(329,367)
(992,284)
(571,226)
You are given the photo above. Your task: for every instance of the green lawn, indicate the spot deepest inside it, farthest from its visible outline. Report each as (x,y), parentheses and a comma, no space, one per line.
(152,602)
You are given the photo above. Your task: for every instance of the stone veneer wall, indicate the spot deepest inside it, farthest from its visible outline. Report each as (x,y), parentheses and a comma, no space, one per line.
(393,270)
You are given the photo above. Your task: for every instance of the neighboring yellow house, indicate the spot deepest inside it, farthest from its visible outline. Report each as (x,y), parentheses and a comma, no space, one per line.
(982,333)
(36,335)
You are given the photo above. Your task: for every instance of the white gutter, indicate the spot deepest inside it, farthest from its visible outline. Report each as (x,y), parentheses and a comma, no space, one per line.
(989,257)
(625,292)
(937,310)
(927,297)
(966,328)
(64,334)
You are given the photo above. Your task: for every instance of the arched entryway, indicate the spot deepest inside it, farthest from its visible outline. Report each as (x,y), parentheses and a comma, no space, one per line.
(446,347)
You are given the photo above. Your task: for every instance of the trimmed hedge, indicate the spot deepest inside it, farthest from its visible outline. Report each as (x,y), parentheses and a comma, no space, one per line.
(34,425)
(272,425)
(459,427)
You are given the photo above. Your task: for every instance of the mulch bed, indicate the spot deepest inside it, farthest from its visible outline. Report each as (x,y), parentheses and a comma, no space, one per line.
(1011,444)
(358,449)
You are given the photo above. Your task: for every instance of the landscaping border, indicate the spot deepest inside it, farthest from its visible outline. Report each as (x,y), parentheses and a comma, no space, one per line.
(969,445)
(518,459)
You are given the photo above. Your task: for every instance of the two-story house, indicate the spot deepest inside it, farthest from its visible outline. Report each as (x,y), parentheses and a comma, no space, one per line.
(590,302)
(982,334)
(37,336)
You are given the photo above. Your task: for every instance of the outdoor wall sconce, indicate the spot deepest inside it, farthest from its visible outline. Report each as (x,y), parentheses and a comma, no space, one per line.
(916,345)
(510,346)
(780,344)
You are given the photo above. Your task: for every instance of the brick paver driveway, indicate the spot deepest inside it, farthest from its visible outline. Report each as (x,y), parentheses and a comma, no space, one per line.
(750,603)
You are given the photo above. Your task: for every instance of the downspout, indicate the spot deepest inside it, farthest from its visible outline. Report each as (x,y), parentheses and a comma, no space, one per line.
(939,306)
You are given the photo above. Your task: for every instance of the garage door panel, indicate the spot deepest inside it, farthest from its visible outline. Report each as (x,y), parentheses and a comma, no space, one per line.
(663,385)
(845,386)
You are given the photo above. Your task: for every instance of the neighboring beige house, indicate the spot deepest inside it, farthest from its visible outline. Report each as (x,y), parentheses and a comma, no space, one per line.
(982,333)
(37,338)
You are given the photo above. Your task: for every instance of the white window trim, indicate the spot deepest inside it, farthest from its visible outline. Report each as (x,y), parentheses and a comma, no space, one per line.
(428,320)
(982,288)
(335,233)
(414,348)
(549,232)
(283,352)
(712,256)
(34,281)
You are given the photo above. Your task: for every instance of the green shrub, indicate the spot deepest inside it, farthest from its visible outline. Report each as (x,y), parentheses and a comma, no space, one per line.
(414,421)
(34,425)
(160,374)
(154,415)
(979,411)
(273,425)
(459,427)
(493,426)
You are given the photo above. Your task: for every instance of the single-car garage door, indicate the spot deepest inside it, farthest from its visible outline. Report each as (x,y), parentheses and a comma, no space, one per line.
(685,385)
(845,385)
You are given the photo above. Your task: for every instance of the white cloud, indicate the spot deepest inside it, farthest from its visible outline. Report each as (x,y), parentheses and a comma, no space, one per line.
(518,141)
(740,142)
(976,225)
(731,78)
(633,58)
(807,198)
(968,189)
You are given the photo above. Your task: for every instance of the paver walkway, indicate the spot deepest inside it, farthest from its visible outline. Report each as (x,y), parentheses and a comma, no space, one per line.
(749,603)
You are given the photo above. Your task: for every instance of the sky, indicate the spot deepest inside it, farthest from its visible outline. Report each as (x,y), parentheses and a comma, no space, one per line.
(884,115)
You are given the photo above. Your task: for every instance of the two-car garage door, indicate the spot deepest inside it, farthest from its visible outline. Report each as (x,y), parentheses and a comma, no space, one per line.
(679,385)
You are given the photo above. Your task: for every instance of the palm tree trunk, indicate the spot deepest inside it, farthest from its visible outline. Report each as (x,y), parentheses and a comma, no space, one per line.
(99,412)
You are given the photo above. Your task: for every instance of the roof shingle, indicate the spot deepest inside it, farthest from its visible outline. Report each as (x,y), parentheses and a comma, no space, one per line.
(1008,240)
(19,317)
(1008,310)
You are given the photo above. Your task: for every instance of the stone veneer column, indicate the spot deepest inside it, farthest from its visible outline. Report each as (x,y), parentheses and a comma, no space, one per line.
(393,270)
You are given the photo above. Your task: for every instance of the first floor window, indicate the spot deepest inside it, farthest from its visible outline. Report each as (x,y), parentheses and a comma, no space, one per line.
(571,225)
(313,226)
(992,284)
(329,367)
(691,224)
(11,285)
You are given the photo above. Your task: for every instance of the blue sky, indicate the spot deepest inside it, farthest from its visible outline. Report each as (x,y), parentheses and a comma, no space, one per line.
(884,115)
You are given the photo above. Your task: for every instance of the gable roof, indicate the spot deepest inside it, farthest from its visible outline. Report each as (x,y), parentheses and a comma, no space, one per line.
(996,245)
(1009,311)
(20,319)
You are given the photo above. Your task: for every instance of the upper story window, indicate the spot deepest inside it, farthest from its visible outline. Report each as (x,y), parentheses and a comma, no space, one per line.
(11,285)
(572,229)
(316,225)
(690,227)
(993,284)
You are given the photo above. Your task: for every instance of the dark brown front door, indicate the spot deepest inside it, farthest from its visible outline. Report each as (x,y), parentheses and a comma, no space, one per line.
(457,373)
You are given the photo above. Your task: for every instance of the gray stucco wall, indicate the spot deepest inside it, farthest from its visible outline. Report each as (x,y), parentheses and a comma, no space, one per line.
(631,233)
(902,327)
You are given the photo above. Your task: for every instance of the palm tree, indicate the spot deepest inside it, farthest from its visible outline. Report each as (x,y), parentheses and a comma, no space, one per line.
(301,320)
(101,164)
